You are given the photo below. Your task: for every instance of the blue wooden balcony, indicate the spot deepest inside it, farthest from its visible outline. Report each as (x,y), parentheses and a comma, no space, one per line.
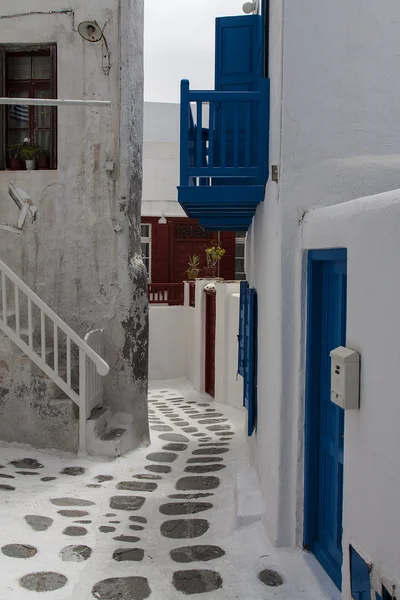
(224,155)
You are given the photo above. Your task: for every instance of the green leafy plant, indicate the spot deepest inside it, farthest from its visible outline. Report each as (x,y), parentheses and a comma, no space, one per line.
(28,152)
(194,266)
(214,253)
(43,152)
(14,150)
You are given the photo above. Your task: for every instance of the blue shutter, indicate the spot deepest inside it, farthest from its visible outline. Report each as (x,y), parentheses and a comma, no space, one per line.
(238,53)
(250,359)
(243,286)
(359,576)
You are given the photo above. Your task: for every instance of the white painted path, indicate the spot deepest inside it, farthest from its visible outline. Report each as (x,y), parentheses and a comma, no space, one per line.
(174,534)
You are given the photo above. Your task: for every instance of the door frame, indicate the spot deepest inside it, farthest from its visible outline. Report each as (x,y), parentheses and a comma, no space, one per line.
(312,388)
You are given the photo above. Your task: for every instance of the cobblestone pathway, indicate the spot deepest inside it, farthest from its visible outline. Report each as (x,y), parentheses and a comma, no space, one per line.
(159,523)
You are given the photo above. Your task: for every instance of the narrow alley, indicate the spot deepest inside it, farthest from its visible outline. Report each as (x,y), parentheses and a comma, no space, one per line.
(163,522)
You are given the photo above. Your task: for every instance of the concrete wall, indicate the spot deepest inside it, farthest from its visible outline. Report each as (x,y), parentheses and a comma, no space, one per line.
(370,230)
(82,256)
(167,342)
(334,87)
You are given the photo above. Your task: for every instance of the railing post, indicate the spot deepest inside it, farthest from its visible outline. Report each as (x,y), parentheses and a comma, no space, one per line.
(185,107)
(82,401)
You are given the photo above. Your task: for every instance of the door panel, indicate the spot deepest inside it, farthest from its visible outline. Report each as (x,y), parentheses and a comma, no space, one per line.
(210,343)
(324,470)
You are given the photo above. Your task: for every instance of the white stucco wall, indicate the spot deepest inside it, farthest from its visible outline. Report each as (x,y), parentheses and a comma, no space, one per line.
(370,230)
(82,255)
(167,342)
(161,160)
(334,89)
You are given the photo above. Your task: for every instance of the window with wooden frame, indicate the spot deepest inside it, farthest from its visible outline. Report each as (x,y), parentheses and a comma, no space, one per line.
(146,247)
(28,72)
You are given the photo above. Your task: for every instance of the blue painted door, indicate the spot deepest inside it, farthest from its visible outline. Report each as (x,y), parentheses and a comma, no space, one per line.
(325,420)
(238,56)
(238,67)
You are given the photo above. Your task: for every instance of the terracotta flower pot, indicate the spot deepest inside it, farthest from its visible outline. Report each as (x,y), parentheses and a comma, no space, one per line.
(210,271)
(193,274)
(43,162)
(14,164)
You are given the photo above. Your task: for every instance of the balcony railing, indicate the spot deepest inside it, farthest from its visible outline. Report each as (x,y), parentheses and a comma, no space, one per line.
(171,294)
(224,136)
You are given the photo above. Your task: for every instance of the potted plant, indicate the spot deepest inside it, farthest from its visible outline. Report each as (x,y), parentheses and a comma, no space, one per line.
(214,253)
(43,159)
(14,157)
(194,266)
(29,154)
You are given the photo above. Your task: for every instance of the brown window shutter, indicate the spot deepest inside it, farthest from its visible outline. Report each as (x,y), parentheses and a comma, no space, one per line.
(3,149)
(54,111)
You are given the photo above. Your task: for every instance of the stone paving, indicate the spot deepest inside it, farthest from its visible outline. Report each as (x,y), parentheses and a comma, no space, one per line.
(159,523)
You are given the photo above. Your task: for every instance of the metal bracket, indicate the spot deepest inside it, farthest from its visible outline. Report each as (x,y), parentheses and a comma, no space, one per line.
(275,173)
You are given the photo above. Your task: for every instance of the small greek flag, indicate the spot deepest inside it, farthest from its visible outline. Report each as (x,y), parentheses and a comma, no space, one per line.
(19,113)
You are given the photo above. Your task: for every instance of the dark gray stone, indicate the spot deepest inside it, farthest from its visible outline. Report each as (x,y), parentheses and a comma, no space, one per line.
(83,522)
(128,554)
(184,508)
(211,450)
(129,539)
(136,527)
(173,437)
(27,473)
(207,415)
(112,522)
(204,459)
(204,404)
(188,554)
(167,457)
(103,478)
(122,588)
(93,485)
(74,471)
(158,468)
(177,447)
(218,428)
(196,581)
(184,528)
(71,502)
(106,529)
(27,463)
(189,429)
(75,553)
(211,421)
(5,476)
(19,550)
(39,523)
(204,468)
(74,531)
(270,578)
(190,496)
(138,519)
(197,483)
(6,488)
(43,581)
(224,444)
(73,514)
(126,502)
(161,428)
(48,478)
(110,515)
(147,476)
(137,486)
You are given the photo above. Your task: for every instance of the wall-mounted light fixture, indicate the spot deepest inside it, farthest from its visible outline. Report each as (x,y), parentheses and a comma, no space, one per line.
(250,7)
(91,32)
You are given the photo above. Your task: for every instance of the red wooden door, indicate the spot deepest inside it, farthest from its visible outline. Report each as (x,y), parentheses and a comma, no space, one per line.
(210,343)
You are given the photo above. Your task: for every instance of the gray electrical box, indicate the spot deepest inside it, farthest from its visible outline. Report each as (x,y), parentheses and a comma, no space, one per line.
(345,378)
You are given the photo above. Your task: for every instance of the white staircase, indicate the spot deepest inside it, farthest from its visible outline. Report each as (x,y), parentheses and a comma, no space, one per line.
(70,368)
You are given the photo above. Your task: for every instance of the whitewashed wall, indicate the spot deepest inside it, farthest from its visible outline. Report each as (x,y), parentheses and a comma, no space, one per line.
(333,138)
(370,230)
(167,342)
(161,160)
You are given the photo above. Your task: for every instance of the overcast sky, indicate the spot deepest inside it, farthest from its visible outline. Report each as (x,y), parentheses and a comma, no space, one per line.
(179,44)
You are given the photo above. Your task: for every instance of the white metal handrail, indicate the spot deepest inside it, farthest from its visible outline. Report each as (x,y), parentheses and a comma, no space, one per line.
(87,355)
